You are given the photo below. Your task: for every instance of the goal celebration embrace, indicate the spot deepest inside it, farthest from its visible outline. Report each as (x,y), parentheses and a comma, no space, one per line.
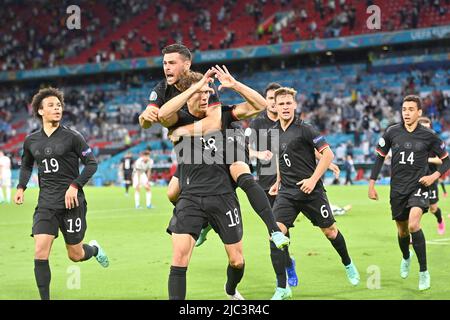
(219,152)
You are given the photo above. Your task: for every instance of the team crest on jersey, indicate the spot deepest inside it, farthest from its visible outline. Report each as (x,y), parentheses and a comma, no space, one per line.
(48,151)
(153,96)
(382,142)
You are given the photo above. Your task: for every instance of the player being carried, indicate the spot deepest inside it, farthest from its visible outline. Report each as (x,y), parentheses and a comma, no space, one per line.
(299,187)
(142,172)
(62,203)
(411,145)
(177,61)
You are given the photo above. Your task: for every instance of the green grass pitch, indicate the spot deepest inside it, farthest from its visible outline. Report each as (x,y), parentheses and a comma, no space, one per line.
(139,250)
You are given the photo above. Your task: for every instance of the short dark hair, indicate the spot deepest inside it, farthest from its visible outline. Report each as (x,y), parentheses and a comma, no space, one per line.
(272,86)
(36,102)
(178,48)
(414,98)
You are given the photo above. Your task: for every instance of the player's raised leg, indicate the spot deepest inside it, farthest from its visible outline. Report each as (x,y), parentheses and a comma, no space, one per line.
(436,211)
(257,197)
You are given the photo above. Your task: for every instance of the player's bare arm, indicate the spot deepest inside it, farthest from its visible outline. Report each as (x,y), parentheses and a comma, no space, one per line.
(168,112)
(254,102)
(148,117)
(212,122)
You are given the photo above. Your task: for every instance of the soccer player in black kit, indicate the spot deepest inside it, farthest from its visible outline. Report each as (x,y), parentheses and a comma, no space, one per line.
(62,204)
(433,163)
(411,145)
(266,175)
(299,187)
(207,192)
(177,60)
(126,166)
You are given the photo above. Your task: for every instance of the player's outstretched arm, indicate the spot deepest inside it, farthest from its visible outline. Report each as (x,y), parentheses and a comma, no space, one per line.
(308,185)
(167,114)
(255,103)
(26,168)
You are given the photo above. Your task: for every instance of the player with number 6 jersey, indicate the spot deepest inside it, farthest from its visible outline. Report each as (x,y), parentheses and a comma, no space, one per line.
(411,145)
(299,187)
(57,151)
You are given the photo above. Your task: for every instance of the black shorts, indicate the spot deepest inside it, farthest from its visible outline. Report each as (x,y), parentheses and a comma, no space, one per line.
(270,197)
(434,193)
(128,176)
(72,223)
(221,211)
(317,209)
(401,205)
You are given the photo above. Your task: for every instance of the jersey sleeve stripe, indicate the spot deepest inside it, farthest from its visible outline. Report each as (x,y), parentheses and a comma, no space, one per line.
(444,156)
(380,152)
(214,104)
(323,147)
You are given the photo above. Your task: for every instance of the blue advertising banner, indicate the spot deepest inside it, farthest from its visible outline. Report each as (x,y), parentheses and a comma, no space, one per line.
(291,48)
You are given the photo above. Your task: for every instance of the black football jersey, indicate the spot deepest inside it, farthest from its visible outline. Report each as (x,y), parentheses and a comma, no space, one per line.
(162,93)
(57,158)
(201,160)
(296,153)
(410,152)
(261,124)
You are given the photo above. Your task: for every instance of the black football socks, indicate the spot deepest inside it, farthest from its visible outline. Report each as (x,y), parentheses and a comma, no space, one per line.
(404,246)
(43,276)
(279,265)
(418,242)
(89,252)
(258,199)
(234,276)
(341,248)
(177,283)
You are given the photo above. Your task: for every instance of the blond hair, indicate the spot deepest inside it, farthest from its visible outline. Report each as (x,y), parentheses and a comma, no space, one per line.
(188,79)
(285,91)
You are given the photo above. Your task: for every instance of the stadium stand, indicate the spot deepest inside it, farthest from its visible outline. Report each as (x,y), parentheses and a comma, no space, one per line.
(200,25)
